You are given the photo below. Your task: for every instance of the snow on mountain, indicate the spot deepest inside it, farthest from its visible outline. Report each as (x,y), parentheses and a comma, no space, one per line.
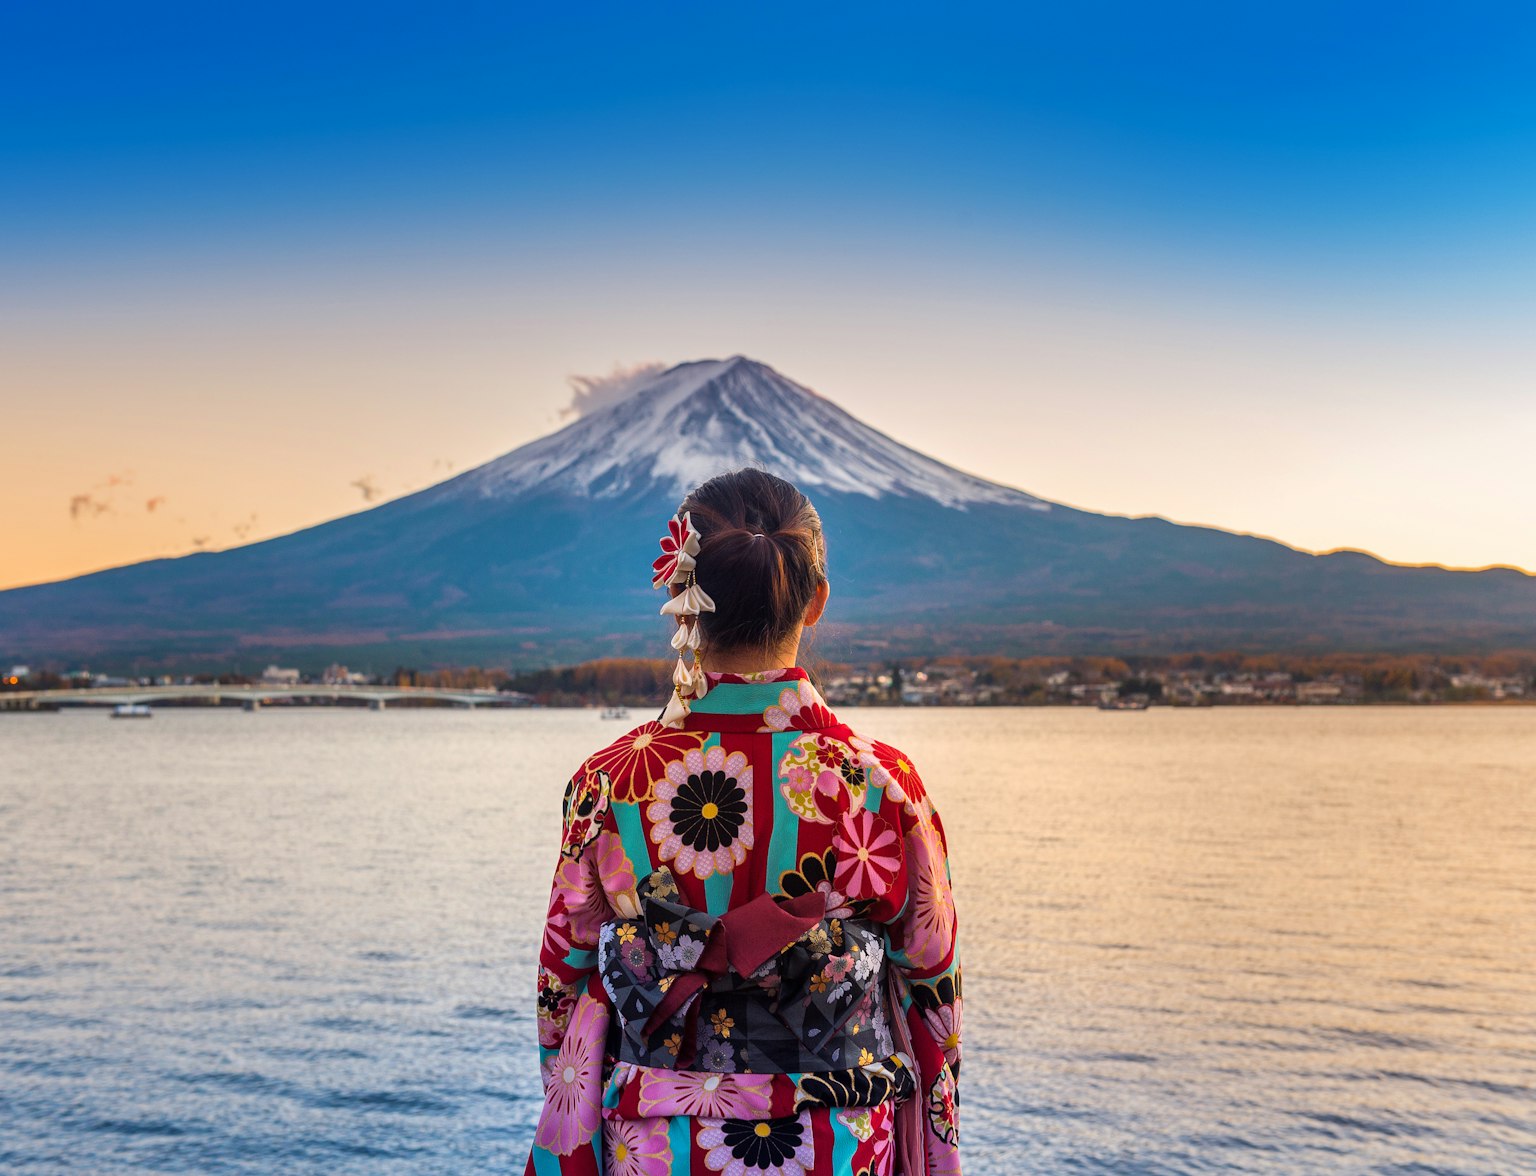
(683,425)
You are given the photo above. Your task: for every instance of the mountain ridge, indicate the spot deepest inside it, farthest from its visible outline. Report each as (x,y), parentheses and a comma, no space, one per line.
(541,555)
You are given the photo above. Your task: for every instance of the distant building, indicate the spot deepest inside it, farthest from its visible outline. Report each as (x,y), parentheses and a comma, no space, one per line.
(19,672)
(339,675)
(279,676)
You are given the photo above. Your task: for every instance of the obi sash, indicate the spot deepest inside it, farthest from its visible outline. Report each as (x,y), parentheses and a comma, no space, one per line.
(773,986)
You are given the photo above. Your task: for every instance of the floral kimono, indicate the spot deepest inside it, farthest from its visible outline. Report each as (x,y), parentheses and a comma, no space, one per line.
(749,963)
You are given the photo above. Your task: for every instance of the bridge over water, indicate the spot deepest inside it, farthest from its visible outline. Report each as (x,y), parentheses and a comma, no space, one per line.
(253,697)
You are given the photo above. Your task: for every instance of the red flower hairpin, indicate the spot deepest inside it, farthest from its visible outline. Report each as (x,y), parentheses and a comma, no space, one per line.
(678,547)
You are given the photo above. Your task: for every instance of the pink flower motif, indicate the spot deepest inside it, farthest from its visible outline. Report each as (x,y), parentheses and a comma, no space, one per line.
(944,1023)
(930,928)
(881,1153)
(636,956)
(573,1081)
(678,547)
(697,1092)
(814,786)
(616,873)
(702,814)
(637,1147)
(868,854)
(800,709)
(585,902)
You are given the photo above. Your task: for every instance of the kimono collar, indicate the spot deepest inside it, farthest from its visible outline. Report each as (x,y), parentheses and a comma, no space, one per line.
(767,700)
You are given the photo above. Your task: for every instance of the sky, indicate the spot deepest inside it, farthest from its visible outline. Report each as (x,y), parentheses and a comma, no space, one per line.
(1268,268)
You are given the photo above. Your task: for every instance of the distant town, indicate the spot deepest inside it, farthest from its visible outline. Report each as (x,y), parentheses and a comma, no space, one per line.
(1189,679)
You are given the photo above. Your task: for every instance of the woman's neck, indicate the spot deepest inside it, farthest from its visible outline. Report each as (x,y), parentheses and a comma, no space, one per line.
(746,661)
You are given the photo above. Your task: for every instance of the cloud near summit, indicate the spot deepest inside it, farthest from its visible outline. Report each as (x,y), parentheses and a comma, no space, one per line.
(591,394)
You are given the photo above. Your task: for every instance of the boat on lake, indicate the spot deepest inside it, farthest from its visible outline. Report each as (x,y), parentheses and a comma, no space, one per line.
(615,712)
(132,710)
(1130,702)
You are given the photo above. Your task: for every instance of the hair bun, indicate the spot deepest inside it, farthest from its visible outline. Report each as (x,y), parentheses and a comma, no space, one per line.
(761,590)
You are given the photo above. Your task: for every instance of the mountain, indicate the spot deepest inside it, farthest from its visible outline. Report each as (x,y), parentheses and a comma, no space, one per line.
(542,554)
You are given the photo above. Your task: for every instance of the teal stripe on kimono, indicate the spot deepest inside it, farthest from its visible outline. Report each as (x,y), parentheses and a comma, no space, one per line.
(874,796)
(844,1143)
(717,893)
(680,1136)
(786,824)
(717,887)
(741,698)
(632,835)
(545,1162)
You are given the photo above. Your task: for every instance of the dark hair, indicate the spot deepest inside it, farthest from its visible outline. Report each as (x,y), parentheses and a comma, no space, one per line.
(761,557)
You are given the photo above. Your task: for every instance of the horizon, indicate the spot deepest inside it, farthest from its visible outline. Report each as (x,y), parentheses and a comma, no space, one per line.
(1266,272)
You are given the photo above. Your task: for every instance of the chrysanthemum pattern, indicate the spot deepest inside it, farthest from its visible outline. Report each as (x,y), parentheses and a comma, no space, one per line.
(635,761)
(654,824)
(573,1081)
(637,1147)
(701,819)
(800,708)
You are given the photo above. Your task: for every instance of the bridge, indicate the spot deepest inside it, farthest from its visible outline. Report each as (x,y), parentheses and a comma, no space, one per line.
(253,697)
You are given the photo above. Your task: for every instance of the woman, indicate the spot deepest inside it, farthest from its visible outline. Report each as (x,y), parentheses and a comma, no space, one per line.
(749,961)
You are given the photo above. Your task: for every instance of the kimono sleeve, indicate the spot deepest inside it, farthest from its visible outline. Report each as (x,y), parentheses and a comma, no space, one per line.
(572,1011)
(922,947)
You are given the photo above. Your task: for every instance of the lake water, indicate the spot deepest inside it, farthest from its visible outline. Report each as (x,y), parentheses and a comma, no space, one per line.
(1270,940)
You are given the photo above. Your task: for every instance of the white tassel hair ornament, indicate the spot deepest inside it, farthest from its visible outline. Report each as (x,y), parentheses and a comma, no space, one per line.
(675,565)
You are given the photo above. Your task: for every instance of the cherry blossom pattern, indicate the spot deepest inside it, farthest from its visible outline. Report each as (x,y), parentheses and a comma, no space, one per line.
(573,1078)
(799,709)
(696,1092)
(868,855)
(637,760)
(763,1147)
(702,814)
(637,1147)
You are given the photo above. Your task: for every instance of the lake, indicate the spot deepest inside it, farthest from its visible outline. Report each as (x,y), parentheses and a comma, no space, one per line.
(1267,940)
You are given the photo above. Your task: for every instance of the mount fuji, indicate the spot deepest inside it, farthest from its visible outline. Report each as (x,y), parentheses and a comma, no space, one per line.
(542,556)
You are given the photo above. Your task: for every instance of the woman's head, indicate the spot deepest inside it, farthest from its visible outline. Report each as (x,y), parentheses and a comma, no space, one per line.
(762,558)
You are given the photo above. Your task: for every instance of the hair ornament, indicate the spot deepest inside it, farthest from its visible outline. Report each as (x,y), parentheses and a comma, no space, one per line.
(676,565)
(678,547)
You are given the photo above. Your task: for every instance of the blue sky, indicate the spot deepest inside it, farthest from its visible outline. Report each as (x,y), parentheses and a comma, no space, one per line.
(1303,190)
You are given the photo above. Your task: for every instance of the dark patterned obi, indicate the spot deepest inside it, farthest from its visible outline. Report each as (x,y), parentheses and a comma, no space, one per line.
(771,987)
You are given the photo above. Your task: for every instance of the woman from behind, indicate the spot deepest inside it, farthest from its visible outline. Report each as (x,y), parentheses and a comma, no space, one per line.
(748,964)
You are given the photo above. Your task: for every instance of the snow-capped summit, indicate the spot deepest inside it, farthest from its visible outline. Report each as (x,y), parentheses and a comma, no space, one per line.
(545,554)
(697,419)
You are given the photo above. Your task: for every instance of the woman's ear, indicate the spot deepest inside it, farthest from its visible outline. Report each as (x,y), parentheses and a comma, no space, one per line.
(818,604)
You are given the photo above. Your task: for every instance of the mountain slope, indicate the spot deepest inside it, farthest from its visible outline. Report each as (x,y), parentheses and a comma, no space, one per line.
(542,554)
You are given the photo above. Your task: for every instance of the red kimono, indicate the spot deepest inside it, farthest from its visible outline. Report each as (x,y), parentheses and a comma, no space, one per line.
(749,962)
